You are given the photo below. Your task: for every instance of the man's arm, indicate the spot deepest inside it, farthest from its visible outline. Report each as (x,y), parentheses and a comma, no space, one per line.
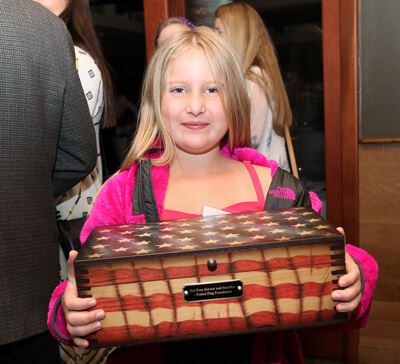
(76,150)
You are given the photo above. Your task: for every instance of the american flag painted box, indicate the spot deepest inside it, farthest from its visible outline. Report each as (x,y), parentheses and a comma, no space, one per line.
(212,276)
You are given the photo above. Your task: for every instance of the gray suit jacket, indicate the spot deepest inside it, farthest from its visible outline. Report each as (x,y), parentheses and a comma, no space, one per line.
(47,144)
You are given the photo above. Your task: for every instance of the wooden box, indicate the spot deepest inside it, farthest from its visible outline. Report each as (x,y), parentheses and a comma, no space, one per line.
(212,276)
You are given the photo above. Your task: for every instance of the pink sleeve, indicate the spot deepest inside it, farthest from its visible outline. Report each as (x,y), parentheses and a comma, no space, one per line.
(110,208)
(369,270)
(55,319)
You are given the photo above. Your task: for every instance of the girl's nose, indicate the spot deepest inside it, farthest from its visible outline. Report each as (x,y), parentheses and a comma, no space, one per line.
(196,104)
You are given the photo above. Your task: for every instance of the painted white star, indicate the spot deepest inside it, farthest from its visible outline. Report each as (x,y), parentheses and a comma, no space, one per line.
(186,231)
(283,238)
(232,235)
(227,228)
(105,231)
(271,224)
(247,222)
(188,247)
(185,224)
(292,218)
(257,237)
(124,240)
(103,238)
(167,229)
(223,221)
(99,246)
(265,218)
(166,236)
(144,227)
(143,242)
(127,232)
(121,249)
(165,245)
(143,251)
(307,213)
(277,231)
(144,234)
(305,233)
(299,225)
(234,243)
(185,239)
(287,212)
(320,227)
(313,220)
(95,255)
(210,241)
(210,233)
(253,229)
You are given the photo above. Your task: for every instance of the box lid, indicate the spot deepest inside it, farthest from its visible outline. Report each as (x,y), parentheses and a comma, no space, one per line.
(265,229)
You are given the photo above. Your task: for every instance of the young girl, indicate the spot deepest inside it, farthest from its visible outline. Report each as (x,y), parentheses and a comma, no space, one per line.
(243,28)
(195,105)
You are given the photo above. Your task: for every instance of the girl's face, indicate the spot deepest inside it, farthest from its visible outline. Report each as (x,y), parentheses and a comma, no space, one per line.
(191,107)
(55,6)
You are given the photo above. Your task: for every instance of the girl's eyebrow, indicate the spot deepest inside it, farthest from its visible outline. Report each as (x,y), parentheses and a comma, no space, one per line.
(185,81)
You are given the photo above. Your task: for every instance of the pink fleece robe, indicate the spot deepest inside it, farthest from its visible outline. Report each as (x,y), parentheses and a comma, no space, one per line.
(113,206)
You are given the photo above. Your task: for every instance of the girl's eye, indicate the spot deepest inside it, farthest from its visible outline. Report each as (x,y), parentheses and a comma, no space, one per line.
(212,90)
(177,90)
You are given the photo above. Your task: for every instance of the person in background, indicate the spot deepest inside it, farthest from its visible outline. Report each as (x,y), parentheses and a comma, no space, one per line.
(47,145)
(169,27)
(195,105)
(97,86)
(244,29)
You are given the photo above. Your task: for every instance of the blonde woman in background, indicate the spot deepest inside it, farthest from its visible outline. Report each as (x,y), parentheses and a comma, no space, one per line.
(244,29)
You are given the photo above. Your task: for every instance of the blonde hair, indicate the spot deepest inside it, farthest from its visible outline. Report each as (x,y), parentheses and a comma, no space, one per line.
(228,75)
(245,31)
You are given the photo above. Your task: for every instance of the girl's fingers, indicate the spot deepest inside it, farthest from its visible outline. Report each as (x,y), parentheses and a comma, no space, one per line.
(83,330)
(346,295)
(82,343)
(353,273)
(73,303)
(76,318)
(349,306)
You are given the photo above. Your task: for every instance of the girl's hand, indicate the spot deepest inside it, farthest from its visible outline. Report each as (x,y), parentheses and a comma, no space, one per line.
(80,321)
(349,296)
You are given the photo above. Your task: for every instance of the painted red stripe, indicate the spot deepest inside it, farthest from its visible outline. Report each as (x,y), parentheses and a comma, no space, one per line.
(261,319)
(164,300)
(204,327)
(180,272)
(222,268)
(101,275)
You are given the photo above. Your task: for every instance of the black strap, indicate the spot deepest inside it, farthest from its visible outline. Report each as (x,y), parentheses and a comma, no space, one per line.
(286,191)
(143,201)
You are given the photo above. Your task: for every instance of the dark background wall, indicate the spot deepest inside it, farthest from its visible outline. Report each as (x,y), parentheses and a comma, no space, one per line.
(380,69)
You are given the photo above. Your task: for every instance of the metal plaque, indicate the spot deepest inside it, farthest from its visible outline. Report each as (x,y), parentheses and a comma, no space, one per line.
(213,290)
